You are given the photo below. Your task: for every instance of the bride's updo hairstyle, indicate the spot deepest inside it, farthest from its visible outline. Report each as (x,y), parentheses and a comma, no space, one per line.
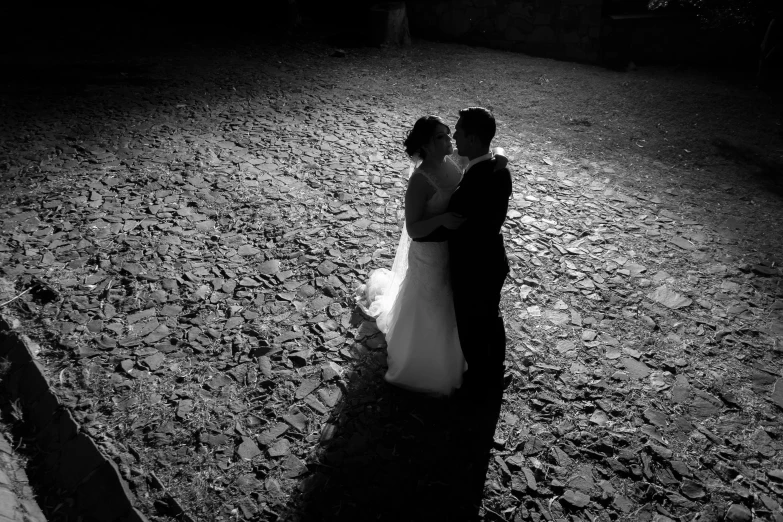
(420,135)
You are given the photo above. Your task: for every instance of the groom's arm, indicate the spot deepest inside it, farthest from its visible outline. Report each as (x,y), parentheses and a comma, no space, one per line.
(485,213)
(438,235)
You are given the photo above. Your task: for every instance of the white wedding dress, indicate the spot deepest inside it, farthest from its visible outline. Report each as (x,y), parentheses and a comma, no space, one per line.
(414,307)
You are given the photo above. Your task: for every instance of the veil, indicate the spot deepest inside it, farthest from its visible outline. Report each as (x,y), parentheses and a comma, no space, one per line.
(380,292)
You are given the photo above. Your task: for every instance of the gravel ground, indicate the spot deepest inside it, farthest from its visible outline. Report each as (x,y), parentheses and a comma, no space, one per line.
(186,229)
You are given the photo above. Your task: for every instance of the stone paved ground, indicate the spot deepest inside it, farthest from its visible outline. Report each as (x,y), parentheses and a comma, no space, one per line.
(17,500)
(183,232)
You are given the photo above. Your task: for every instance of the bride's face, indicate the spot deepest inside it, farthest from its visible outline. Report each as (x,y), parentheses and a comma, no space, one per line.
(440,143)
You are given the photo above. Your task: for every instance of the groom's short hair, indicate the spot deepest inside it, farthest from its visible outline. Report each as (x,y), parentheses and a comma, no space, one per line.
(479,122)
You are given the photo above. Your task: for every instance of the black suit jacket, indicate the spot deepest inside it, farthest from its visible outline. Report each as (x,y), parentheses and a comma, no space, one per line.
(476,248)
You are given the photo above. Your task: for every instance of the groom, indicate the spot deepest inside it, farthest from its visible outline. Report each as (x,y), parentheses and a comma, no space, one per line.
(477,254)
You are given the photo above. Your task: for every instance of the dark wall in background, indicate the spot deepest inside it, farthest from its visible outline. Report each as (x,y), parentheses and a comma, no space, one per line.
(581,30)
(140,23)
(568,29)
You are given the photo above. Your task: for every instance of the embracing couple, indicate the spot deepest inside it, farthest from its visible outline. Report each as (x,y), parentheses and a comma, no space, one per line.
(439,306)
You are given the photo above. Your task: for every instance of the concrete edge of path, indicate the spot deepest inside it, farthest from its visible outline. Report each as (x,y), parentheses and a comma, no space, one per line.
(73,462)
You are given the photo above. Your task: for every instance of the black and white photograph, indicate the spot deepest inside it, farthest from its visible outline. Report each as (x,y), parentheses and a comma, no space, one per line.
(405,261)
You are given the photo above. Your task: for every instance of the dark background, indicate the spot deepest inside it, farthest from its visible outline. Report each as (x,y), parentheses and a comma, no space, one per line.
(127,27)
(61,33)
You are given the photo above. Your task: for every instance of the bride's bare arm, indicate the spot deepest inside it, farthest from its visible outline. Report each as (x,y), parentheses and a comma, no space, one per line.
(415,202)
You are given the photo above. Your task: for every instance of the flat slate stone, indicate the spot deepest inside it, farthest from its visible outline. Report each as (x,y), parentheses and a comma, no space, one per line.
(669,298)
(576,498)
(297,420)
(248,449)
(636,369)
(777,393)
(138,316)
(279,448)
(656,417)
(307,386)
(705,405)
(682,243)
(565,346)
(266,437)
(270,267)
(555,317)
(171,310)
(327,267)
(680,390)
(293,466)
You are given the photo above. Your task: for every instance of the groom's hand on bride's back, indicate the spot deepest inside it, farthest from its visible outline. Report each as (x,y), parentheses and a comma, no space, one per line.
(451,220)
(501,161)
(446,222)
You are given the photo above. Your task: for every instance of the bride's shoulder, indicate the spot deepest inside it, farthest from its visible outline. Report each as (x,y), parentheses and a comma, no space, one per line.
(419,177)
(417,174)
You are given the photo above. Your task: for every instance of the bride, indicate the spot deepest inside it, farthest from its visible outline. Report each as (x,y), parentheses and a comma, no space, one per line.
(413,302)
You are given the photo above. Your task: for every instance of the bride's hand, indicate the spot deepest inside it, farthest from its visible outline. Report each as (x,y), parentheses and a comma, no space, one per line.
(451,220)
(500,157)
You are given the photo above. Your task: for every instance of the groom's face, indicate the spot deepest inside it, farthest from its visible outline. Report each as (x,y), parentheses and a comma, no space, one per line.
(461,140)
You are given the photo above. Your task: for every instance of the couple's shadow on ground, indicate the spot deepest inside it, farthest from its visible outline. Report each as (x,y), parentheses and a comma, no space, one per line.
(392,455)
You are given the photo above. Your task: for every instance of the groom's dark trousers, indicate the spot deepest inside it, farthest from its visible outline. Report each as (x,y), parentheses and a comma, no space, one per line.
(479,266)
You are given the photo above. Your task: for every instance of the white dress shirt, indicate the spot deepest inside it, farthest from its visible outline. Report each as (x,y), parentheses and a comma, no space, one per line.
(472,162)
